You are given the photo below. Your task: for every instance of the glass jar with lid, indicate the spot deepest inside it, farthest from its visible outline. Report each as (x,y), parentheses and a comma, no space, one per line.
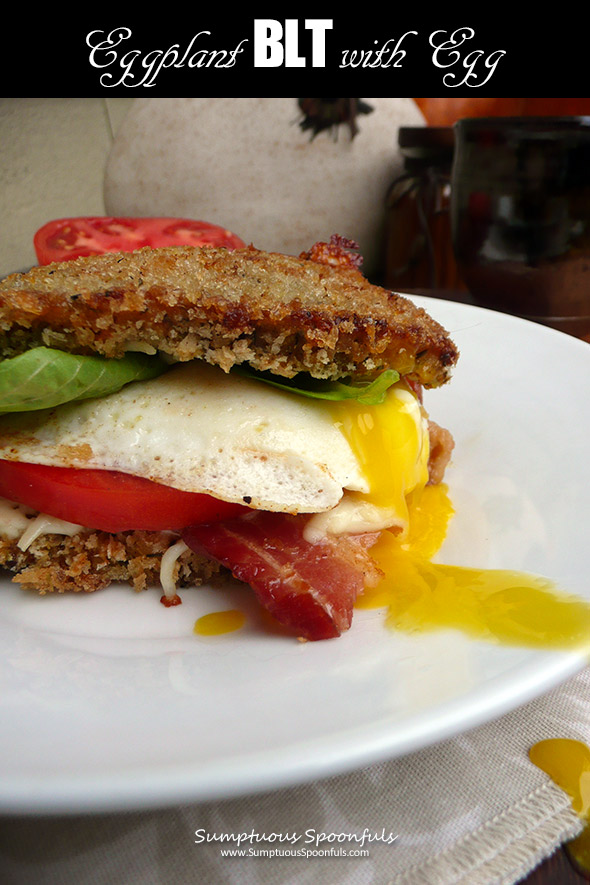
(418,251)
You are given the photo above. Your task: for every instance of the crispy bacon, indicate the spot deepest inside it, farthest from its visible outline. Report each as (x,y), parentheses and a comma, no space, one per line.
(339,252)
(441,450)
(310,588)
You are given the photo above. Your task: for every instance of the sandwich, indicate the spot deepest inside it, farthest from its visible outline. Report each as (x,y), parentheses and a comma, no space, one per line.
(175,415)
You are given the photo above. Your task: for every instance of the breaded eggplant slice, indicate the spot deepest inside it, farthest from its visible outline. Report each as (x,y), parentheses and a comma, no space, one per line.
(91,560)
(274,312)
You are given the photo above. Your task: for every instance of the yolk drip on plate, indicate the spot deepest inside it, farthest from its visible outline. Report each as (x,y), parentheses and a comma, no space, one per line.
(216,623)
(567,762)
(494,605)
(489,604)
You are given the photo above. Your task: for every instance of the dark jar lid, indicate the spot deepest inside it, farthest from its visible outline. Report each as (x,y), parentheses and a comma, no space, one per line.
(496,129)
(427,143)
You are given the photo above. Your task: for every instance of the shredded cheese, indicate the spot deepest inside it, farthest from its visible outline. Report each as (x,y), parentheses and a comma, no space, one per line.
(140,347)
(46,525)
(167,566)
(18,521)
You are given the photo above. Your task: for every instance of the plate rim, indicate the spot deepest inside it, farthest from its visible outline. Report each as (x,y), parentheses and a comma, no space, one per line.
(172,787)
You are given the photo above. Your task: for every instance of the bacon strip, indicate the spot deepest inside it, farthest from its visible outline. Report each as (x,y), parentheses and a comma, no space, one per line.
(441,450)
(310,588)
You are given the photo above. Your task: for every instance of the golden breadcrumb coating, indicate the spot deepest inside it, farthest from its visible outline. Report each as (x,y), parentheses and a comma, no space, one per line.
(91,560)
(274,312)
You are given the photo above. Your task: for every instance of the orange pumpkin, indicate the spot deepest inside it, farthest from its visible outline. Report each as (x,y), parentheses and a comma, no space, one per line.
(445,111)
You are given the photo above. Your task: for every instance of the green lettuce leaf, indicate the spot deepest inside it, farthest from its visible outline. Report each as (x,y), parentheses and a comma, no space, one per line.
(43,377)
(370,393)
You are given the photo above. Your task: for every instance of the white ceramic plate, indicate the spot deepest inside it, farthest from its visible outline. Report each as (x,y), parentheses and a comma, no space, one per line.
(108,701)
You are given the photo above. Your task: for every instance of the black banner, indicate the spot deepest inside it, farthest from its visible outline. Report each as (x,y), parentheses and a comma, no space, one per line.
(206,52)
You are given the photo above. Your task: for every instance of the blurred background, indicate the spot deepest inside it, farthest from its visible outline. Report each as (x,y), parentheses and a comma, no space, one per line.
(52,158)
(281,173)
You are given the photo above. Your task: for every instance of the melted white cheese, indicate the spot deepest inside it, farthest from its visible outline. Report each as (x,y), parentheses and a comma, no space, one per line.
(353,515)
(47,525)
(167,564)
(14,518)
(18,521)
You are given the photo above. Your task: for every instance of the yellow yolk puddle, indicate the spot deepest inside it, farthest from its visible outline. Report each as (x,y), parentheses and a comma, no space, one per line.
(490,604)
(567,762)
(494,605)
(216,623)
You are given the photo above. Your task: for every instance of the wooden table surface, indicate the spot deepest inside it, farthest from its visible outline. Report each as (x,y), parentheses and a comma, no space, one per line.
(556,870)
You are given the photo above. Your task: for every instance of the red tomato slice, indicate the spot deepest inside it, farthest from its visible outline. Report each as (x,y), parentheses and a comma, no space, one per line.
(66,238)
(108,500)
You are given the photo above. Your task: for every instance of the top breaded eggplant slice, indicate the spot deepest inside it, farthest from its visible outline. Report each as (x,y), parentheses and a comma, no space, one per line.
(274,312)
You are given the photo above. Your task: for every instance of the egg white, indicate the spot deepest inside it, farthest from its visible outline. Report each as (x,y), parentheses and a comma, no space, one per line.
(199,429)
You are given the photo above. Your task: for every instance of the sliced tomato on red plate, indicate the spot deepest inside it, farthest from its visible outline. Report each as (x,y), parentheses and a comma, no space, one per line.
(66,238)
(108,500)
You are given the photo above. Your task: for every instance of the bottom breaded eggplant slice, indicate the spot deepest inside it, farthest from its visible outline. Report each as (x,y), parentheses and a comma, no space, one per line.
(90,560)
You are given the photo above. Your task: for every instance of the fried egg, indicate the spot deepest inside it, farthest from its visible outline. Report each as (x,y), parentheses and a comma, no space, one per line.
(199,429)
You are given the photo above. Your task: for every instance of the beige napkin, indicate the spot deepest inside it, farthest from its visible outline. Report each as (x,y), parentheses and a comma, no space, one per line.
(471,810)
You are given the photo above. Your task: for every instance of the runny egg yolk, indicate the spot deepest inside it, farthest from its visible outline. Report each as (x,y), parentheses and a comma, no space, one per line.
(390,442)
(419,595)
(391,445)
(567,762)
